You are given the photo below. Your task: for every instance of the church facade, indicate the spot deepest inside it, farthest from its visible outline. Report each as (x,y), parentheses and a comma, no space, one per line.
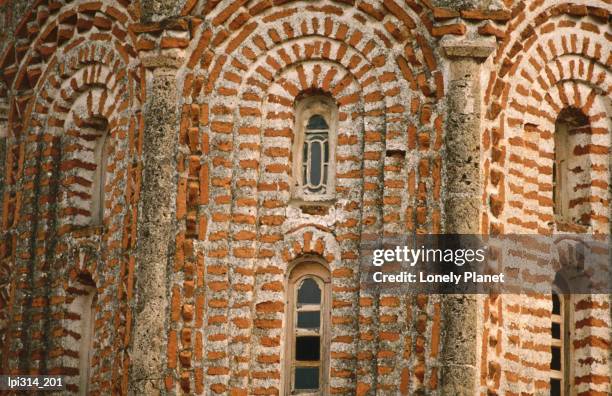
(185,187)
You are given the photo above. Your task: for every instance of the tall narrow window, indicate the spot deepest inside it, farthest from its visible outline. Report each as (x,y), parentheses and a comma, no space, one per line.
(570,171)
(99,182)
(308,324)
(314,148)
(560,346)
(315,163)
(94,134)
(83,310)
(560,170)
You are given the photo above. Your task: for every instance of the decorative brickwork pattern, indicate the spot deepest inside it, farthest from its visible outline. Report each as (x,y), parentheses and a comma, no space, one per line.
(250,66)
(70,65)
(74,71)
(551,57)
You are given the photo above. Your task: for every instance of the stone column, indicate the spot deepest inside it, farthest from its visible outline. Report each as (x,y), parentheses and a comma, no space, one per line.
(157,226)
(156,233)
(462,206)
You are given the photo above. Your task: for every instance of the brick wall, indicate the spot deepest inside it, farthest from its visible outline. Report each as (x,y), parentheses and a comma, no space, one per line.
(69,63)
(72,70)
(551,56)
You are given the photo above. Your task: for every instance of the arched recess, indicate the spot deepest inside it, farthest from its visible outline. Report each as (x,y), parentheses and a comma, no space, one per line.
(80,325)
(554,58)
(240,86)
(306,358)
(78,72)
(572,187)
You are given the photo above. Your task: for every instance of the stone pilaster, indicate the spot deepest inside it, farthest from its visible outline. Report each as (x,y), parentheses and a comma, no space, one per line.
(462,206)
(157,227)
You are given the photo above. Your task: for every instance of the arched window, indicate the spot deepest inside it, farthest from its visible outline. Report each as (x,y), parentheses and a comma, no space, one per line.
(99,182)
(98,129)
(560,346)
(307,346)
(82,309)
(314,147)
(570,176)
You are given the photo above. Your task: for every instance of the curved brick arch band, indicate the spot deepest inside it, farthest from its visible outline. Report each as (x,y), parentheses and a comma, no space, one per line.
(554,57)
(78,67)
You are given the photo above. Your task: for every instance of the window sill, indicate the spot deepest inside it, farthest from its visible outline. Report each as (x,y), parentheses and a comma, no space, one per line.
(318,201)
(313,208)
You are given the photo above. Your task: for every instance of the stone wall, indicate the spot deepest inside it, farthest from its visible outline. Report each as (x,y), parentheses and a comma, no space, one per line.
(446,116)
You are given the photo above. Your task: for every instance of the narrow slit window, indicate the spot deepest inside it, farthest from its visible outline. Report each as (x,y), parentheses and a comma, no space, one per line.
(95,134)
(570,176)
(99,182)
(560,172)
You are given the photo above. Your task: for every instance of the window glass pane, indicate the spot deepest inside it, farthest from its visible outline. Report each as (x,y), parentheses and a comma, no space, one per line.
(556,310)
(555,360)
(309,292)
(306,378)
(326,151)
(555,387)
(307,348)
(309,320)
(325,174)
(315,163)
(556,331)
(317,122)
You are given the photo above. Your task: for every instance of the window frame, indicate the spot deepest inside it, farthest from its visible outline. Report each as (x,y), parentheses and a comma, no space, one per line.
(565,321)
(568,121)
(98,192)
(306,108)
(302,270)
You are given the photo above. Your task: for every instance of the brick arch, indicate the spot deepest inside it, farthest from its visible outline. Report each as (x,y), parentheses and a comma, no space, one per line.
(547,56)
(529,18)
(554,56)
(530,130)
(418,68)
(84,87)
(69,41)
(240,88)
(311,239)
(56,28)
(92,91)
(350,128)
(399,21)
(265,212)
